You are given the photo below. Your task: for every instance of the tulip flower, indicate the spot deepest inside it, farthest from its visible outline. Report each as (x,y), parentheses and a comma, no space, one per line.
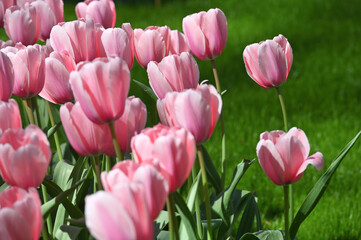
(172,149)
(284,156)
(86,137)
(145,175)
(22,25)
(195,110)
(6,77)
(56,6)
(47,18)
(9,115)
(6,44)
(206,33)
(20,214)
(4,4)
(173,73)
(268,63)
(101,11)
(178,43)
(101,88)
(44,49)
(24,156)
(57,87)
(151,44)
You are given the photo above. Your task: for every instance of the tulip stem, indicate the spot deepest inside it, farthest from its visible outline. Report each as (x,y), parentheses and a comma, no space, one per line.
(108,164)
(45,200)
(198,211)
(44,233)
(205,191)
(56,136)
(173,228)
(96,167)
(115,142)
(223,159)
(36,108)
(286,208)
(29,110)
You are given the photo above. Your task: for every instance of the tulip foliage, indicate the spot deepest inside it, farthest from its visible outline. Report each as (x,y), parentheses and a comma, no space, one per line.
(78,158)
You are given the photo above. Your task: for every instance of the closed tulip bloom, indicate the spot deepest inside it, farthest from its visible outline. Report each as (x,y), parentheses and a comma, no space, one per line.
(101,11)
(57,87)
(22,25)
(4,4)
(47,18)
(20,214)
(195,110)
(268,63)
(284,156)
(6,44)
(9,115)
(173,73)
(206,33)
(86,137)
(178,43)
(101,88)
(24,156)
(172,149)
(145,175)
(6,77)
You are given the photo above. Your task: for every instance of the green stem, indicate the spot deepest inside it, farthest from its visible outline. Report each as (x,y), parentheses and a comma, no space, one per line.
(198,211)
(286,208)
(173,228)
(115,142)
(44,233)
(108,164)
(96,167)
(48,219)
(56,136)
(29,110)
(36,108)
(205,191)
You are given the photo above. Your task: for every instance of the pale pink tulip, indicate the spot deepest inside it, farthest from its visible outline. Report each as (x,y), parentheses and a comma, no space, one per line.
(44,49)
(86,137)
(151,44)
(172,149)
(178,43)
(101,88)
(5,44)
(101,11)
(6,77)
(9,115)
(56,6)
(206,33)
(20,214)
(22,25)
(268,63)
(57,87)
(284,156)
(47,18)
(24,156)
(145,175)
(195,110)
(4,4)
(173,73)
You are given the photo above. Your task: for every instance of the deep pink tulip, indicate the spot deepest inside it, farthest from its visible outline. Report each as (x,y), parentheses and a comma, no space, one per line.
(57,87)
(80,38)
(151,44)
(178,43)
(116,42)
(22,25)
(268,63)
(145,175)
(6,77)
(206,33)
(284,156)
(101,88)
(120,215)
(86,137)
(24,156)
(20,214)
(195,110)
(9,115)
(172,149)
(29,72)
(101,11)
(4,4)
(173,73)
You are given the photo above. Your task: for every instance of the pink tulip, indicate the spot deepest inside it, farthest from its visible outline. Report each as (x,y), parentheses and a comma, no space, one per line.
(131,122)
(22,25)
(268,63)
(47,18)
(29,74)
(195,110)
(80,38)
(178,43)
(101,88)
(57,6)
(145,175)
(86,137)
(5,44)
(9,115)
(101,11)
(172,149)
(4,4)
(116,42)
(151,44)
(206,33)
(24,156)
(173,73)
(20,214)
(6,77)
(284,156)
(57,87)
(44,49)
(110,216)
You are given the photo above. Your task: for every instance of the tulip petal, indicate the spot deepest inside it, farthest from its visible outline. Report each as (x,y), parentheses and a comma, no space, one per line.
(315,160)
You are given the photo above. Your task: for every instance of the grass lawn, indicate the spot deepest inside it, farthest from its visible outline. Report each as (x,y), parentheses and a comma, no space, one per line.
(322,97)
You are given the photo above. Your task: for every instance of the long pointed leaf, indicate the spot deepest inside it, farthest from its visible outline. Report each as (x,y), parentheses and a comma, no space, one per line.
(146,89)
(212,173)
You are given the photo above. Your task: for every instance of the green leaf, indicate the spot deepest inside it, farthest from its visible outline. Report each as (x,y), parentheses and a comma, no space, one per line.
(317,191)
(264,235)
(212,173)
(163,235)
(147,90)
(43,111)
(250,213)
(53,129)
(249,236)
(160,222)
(4,187)
(72,231)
